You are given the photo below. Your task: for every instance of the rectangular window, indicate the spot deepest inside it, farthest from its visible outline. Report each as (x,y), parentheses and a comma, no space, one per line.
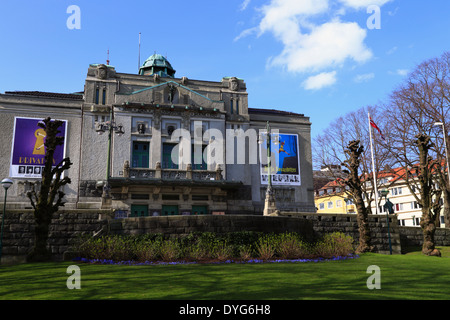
(330,204)
(167,162)
(231,106)
(104,96)
(140,155)
(237,106)
(198,160)
(338,203)
(97,95)
(321,206)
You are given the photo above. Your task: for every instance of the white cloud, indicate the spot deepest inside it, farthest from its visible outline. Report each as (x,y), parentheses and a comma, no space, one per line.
(314,35)
(364,77)
(399,72)
(324,79)
(402,72)
(392,50)
(244,5)
(360,4)
(328,45)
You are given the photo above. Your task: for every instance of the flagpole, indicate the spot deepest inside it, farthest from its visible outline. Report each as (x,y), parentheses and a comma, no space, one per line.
(373,167)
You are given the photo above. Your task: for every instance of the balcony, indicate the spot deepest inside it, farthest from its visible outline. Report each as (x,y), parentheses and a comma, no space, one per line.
(159,176)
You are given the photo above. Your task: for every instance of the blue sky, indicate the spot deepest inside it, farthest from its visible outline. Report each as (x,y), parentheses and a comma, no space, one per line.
(316,57)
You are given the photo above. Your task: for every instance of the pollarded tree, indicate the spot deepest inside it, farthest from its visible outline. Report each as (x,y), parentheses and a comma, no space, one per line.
(354,152)
(49,198)
(415,152)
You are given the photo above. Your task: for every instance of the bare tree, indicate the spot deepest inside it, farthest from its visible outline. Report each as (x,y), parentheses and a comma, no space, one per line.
(331,145)
(49,198)
(412,146)
(354,151)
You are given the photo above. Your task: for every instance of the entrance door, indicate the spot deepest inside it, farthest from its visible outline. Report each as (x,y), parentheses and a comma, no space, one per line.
(139,210)
(169,210)
(196,210)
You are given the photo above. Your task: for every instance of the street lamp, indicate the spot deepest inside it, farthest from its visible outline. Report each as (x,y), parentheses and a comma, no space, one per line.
(6,183)
(270,207)
(388,206)
(110,127)
(445,144)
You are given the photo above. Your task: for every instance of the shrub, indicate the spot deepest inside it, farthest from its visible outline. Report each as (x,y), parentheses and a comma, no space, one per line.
(266,247)
(290,246)
(209,246)
(147,251)
(333,245)
(245,252)
(170,250)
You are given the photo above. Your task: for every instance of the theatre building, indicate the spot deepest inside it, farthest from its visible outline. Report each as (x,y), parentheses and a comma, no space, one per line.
(153,144)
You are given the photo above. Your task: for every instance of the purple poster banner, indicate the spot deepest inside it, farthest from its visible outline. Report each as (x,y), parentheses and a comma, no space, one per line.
(28,151)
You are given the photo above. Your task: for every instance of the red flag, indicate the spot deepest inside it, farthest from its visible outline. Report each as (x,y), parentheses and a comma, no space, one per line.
(373,124)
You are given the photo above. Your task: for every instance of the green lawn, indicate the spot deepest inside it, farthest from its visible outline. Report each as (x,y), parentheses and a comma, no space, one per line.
(410,276)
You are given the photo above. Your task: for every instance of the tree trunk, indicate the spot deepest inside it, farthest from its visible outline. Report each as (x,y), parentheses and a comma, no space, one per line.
(39,252)
(428,230)
(446,210)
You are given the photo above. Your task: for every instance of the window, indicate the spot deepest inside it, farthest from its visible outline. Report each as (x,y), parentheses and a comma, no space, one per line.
(330,204)
(231,106)
(237,106)
(414,205)
(321,192)
(104,96)
(167,162)
(198,160)
(338,203)
(321,206)
(140,155)
(97,95)
(399,207)
(396,191)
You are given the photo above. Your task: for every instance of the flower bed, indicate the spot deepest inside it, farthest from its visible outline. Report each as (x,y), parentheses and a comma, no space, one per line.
(105,261)
(240,247)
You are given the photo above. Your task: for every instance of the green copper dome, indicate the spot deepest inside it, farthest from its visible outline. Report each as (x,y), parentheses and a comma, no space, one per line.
(157,64)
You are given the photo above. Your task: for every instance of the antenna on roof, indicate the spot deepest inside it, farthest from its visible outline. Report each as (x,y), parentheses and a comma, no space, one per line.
(139,57)
(107,59)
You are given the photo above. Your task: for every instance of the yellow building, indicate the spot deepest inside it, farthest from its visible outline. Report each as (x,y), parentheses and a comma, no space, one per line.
(332,198)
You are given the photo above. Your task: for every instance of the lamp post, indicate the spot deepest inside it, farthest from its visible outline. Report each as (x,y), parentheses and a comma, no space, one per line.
(270,207)
(445,145)
(101,128)
(388,207)
(6,183)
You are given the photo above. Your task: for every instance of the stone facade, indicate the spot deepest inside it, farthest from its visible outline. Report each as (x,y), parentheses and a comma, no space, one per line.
(149,108)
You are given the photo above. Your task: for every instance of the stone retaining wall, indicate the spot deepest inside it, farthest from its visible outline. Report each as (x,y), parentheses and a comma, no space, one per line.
(183,225)
(348,224)
(68,225)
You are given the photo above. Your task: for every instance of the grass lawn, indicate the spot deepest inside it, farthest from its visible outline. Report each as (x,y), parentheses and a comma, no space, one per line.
(409,276)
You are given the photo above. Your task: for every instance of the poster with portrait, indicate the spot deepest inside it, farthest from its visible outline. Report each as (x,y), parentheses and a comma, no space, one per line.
(285,160)
(28,150)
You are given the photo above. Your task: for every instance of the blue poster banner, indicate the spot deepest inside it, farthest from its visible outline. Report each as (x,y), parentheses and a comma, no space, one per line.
(28,150)
(285,160)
